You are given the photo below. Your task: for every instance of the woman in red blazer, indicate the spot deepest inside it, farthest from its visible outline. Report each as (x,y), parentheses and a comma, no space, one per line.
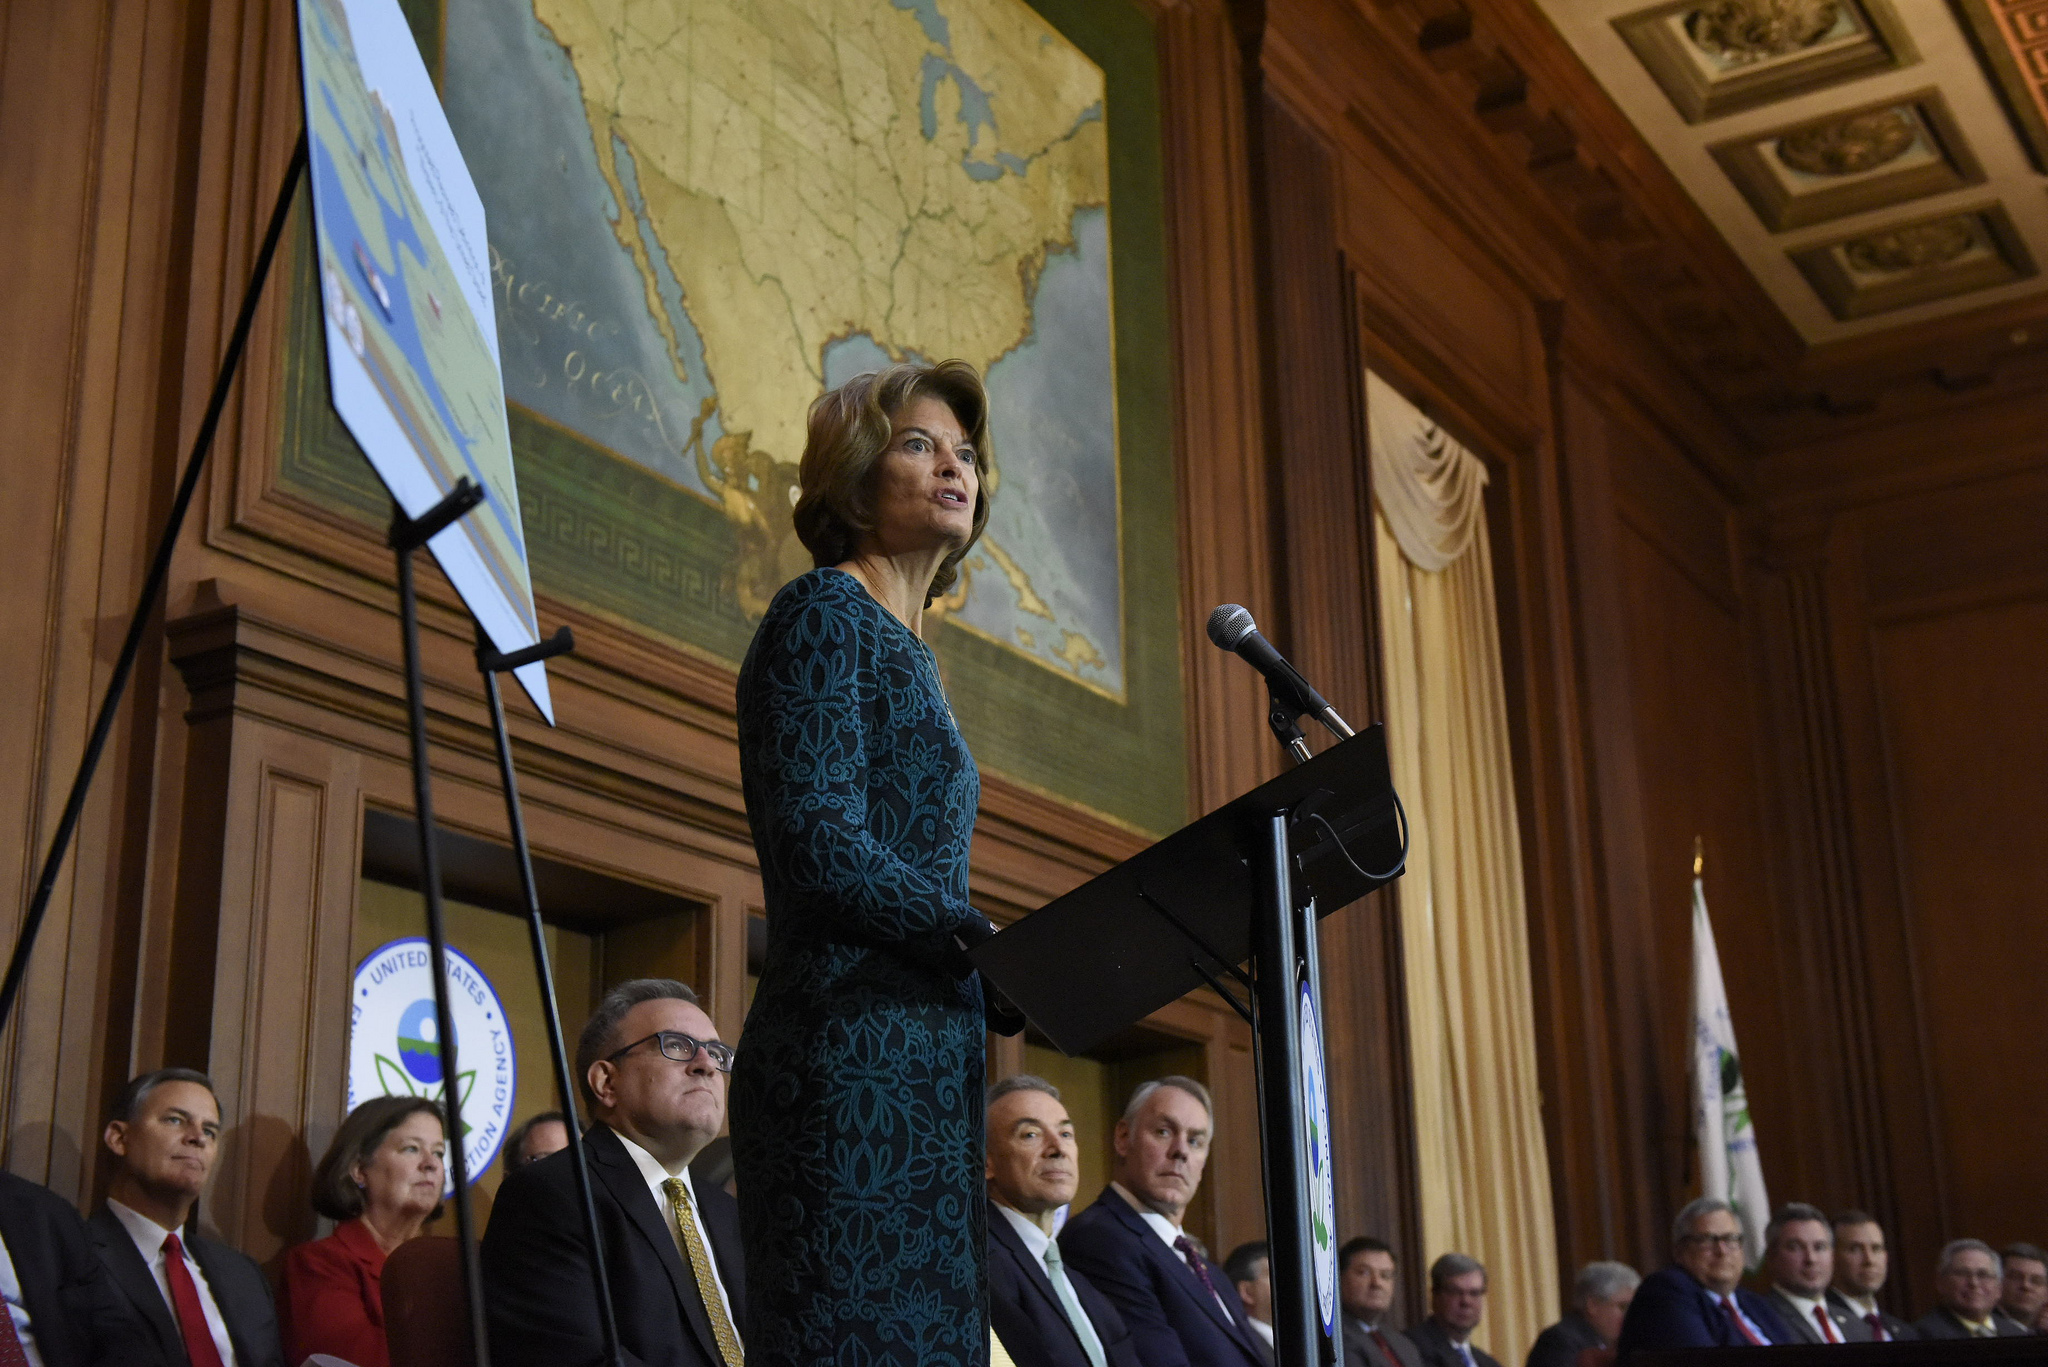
(380,1180)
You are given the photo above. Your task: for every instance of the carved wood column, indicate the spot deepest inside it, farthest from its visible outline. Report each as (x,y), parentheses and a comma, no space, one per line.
(266,902)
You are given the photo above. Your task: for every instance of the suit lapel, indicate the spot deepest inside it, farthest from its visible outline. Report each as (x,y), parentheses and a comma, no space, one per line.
(621,1177)
(1157,1249)
(136,1281)
(1001,1232)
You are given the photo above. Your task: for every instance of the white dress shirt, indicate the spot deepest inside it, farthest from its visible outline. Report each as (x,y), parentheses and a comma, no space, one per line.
(654,1174)
(149,1237)
(1806,1305)
(17,1310)
(1261,1328)
(1167,1231)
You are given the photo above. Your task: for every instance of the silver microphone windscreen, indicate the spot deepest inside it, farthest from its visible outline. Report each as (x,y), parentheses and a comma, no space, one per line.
(1230,624)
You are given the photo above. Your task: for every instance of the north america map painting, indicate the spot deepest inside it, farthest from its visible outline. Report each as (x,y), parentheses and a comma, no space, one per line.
(704,214)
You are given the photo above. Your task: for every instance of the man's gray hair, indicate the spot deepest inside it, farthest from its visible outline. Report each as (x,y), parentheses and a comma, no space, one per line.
(1696,1211)
(1019,1082)
(1186,1084)
(600,1032)
(1955,1246)
(1792,1212)
(1603,1282)
(1453,1265)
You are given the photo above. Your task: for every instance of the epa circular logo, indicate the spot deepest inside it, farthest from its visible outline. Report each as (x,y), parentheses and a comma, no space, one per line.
(1322,1187)
(393,1049)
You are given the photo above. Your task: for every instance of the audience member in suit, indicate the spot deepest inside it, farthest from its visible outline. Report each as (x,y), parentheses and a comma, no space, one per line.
(1600,1298)
(1967,1283)
(1366,1273)
(1457,1300)
(1696,1301)
(1861,1265)
(534,1140)
(1181,1310)
(654,1075)
(380,1181)
(1799,1259)
(1044,1313)
(2026,1286)
(56,1299)
(1250,1269)
(208,1305)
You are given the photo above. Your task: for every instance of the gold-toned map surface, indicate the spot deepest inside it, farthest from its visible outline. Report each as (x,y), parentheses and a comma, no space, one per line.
(706,212)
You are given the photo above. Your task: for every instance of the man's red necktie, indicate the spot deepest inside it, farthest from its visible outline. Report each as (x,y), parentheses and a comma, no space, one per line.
(192,1327)
(1828,1332)
(1385,1347)
(12,1354)
(1741,1324)
(1876,1323)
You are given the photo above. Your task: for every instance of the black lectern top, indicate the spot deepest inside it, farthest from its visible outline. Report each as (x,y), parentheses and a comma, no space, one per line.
(1084,966)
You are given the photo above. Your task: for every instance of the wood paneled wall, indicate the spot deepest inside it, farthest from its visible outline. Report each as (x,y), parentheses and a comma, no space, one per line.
(1824,661)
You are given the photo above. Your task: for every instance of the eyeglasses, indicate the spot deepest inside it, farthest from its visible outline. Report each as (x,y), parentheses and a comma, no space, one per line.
(680,1047)
(1717,1240)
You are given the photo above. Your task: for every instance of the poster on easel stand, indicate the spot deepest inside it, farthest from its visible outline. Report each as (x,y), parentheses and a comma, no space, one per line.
(412,338)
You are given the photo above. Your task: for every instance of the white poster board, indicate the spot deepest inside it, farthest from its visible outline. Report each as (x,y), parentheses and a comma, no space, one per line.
(412,340)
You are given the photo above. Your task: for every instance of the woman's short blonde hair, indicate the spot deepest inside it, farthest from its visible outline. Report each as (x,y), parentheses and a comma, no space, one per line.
(850,428)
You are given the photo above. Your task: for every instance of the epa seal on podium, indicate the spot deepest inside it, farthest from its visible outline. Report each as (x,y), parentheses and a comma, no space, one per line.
(392,1049)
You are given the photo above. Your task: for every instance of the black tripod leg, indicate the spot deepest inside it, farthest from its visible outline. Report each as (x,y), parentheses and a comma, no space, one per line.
(437,943)
(488,663)
(152,589)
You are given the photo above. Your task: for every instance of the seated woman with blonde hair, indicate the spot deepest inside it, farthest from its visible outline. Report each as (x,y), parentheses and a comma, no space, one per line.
(380,1181)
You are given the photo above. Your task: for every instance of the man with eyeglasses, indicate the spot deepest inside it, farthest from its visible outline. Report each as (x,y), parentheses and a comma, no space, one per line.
(1967,1283)
(653,1073)
(1698,1301)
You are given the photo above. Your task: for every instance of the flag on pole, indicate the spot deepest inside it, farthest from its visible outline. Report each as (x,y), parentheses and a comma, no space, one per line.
(1729,1167)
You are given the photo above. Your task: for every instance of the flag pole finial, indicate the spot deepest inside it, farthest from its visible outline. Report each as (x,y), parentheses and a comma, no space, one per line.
(1699,855)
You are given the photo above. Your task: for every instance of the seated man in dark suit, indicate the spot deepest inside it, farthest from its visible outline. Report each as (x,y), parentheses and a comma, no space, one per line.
(1697,1301)
(208,1305)
(1457,1299)
(1180,1308)
(56,1299)
(654,1075)
(1600,1298)
(2026,1285)
(1366,1272)
(1044,1313)
(1799,1261)
(1250,1269)
(1967,1283)
(1861,1264)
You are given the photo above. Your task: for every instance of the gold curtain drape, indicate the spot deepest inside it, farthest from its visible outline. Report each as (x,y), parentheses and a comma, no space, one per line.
(1483,1166)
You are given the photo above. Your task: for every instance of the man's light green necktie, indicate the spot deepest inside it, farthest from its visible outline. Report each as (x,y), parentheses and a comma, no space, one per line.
(1056,1271)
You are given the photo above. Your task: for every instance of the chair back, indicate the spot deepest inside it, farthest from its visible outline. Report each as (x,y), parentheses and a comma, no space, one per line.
(426,1316)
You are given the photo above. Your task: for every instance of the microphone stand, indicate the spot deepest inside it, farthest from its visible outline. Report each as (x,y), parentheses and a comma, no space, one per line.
(1294,1107)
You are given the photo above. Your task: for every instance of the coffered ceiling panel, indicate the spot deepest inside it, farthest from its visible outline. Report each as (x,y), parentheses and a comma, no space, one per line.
(1875,163)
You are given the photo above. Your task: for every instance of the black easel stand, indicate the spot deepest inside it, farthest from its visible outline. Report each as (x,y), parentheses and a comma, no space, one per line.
(152,589)
(409,535)
(490,663)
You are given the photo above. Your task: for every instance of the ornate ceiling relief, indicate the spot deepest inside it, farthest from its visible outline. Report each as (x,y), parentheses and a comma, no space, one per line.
(1852,152)
(1912,263)
(1850,162)
(1742,31)
(1716,58)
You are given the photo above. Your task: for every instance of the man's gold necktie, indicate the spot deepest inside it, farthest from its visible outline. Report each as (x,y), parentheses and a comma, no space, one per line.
(679,1206)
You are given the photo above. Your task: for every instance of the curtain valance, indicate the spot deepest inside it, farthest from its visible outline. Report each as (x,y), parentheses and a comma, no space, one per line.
(1431,490)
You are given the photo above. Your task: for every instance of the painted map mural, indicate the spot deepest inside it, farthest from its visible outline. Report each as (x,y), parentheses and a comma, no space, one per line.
(703,213)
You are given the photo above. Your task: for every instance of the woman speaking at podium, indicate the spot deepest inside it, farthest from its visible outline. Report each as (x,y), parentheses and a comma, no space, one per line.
(857,1092)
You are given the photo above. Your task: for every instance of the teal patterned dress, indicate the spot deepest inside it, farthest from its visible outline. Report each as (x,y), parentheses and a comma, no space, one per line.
(857,1094)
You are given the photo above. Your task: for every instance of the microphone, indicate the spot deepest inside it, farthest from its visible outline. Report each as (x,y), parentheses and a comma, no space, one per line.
(1231,628)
